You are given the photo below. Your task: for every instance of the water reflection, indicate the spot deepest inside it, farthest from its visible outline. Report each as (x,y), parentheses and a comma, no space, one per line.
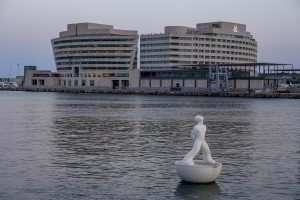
(136,142)
(197,191)
(91,146)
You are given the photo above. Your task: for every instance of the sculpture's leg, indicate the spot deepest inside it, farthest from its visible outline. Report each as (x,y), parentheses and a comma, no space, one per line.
(189,157)
(206,153)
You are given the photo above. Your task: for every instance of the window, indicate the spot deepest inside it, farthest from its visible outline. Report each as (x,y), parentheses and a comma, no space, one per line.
(83,82)
(75,82)
(92,83)
(42,82)
(69,83)
(34,82)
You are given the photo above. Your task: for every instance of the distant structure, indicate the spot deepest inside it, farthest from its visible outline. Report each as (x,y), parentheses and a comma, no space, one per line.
(42,78)
(208,43)
(89,54)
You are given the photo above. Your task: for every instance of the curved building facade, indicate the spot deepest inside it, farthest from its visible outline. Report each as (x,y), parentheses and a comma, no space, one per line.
(89,54)
(208,43)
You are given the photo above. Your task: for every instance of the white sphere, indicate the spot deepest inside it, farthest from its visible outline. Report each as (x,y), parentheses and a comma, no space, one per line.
(200,172)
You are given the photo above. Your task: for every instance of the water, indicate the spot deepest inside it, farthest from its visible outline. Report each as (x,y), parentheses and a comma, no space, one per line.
(94,146)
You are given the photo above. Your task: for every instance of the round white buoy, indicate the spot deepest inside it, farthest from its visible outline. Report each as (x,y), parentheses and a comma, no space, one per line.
(200,172)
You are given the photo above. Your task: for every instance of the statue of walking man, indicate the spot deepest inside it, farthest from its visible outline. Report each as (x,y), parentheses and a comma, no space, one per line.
(198,135)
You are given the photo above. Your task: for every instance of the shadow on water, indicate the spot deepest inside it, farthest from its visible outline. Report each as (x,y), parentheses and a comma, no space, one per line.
(197,191)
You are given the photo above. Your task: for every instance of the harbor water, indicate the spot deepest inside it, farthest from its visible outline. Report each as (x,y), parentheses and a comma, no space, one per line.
(111,146)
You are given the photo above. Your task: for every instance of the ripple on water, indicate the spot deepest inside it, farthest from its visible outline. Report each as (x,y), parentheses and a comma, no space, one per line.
(91,146)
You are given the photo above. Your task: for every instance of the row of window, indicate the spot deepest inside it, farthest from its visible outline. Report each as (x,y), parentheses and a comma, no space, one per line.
(92,57)
(83,83)
(176,75)
(169,56)
(201,45)
(229,36)
(95,45)
(96,40)
(166,44)
(38,82)
(94,52)
(166,62)
(93,68)
(168,50)
(200,56)
(143,38)
(195,61)
(96,75)
(200,39)
(155,67)
(115,83)
(93,62)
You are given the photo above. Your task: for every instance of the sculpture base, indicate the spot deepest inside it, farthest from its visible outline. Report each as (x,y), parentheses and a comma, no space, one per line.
(201,172)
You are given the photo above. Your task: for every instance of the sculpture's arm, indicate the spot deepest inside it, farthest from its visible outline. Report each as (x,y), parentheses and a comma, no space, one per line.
(193,133)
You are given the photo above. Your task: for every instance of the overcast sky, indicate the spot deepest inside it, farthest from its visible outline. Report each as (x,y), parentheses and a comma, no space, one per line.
(27,26)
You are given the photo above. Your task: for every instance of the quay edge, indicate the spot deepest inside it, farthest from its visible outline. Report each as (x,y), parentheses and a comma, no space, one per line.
(141,92)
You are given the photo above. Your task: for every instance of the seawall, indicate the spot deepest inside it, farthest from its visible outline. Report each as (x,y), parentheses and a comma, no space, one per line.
(176,93)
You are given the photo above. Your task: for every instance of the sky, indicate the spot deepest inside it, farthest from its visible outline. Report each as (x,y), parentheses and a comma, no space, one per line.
(27,27)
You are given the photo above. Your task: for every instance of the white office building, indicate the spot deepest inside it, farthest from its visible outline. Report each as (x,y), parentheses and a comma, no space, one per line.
(91,55)
(208,43)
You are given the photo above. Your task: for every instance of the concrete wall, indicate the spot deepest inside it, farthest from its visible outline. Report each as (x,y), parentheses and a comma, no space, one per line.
(37,75)
(145,83)
(166,82)
(201,84)
(241,84)
(189,83)
(155,83)
(244,84)
(257,84)
(134,76)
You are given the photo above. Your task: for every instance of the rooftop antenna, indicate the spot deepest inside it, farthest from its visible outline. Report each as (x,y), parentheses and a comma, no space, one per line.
(9,73)
(18,69)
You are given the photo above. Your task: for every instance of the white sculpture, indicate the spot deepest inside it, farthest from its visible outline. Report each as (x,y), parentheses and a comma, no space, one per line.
(197,171)
(198,135)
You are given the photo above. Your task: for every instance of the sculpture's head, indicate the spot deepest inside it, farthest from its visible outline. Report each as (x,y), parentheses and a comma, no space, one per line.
(199,118)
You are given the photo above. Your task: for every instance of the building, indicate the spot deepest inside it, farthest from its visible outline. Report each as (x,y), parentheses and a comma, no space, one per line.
(213,57)
(208,43)
(235,77)
(95,55)
(41,78)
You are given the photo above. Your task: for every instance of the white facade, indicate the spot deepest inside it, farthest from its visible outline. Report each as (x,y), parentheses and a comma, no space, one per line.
(90,54)
(208,43)
(41,78)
